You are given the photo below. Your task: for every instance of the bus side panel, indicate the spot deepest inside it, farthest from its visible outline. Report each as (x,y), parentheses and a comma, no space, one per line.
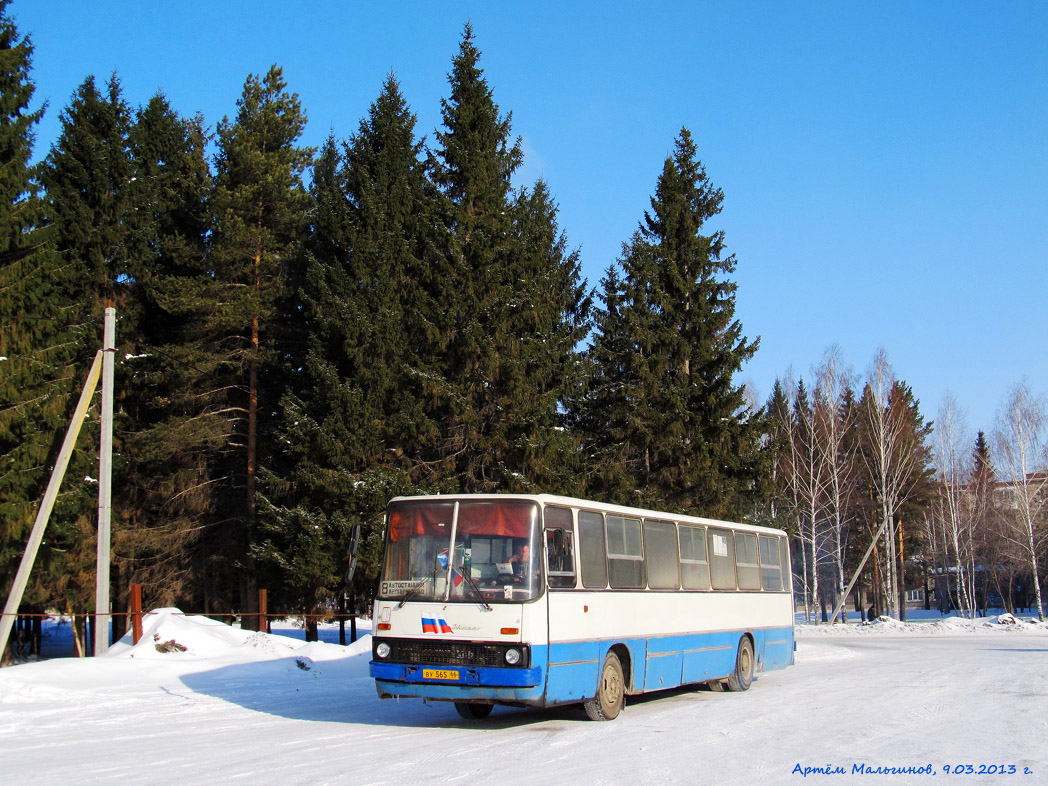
(572,672)
(664,662)
(778,648)
(710,656)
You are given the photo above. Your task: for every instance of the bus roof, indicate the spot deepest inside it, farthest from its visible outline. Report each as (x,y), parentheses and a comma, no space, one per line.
(604,507)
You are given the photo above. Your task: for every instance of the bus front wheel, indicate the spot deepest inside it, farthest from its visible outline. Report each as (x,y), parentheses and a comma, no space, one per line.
(611,691)
(742,677)
(471,710)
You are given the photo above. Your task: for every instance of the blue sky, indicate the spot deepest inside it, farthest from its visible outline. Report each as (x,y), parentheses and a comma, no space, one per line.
(884,165)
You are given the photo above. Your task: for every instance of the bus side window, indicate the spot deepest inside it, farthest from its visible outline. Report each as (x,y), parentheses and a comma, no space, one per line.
(746,561)
(722,558)
(660,554)
(694,567)
(560,551)
(625,553)
(784,562)
(591,550)
(771,571)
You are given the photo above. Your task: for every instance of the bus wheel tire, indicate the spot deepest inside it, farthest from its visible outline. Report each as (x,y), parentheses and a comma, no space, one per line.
(611,691)
(471,710)
(742,677)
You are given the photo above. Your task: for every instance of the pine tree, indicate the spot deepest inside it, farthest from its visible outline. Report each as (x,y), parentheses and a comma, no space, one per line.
(508,284)
(259,207)
(669,426)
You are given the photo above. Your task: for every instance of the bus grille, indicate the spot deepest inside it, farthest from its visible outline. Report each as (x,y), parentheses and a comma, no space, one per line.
(446,652)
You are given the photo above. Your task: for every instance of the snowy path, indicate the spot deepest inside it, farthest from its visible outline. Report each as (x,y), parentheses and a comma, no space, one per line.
(977,698)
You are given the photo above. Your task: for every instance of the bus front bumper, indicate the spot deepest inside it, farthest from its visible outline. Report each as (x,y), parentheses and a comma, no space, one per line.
(471,677)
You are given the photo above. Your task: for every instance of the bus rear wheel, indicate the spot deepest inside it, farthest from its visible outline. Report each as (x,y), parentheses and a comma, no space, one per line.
(611,691)
(472,710)
(742,677)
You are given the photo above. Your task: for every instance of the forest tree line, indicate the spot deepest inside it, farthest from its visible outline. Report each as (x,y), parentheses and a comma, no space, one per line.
(306,333)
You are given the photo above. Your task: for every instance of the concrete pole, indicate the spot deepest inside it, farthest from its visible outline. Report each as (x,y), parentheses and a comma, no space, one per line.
(37,535)
(105,486)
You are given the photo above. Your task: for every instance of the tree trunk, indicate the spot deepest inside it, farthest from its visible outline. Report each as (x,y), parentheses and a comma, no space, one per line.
(902,577)
(876,605)
(119,616)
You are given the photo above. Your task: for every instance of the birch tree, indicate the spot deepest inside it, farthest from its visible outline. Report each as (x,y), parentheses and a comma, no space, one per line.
(810,482)
(896,459)
(955,502)
(835,420)
(1021,463)
(788,511)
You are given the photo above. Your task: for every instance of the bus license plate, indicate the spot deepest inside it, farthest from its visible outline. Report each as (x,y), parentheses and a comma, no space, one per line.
(439,674)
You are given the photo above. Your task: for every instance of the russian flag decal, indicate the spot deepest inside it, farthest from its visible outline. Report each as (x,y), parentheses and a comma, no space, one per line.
(433,625)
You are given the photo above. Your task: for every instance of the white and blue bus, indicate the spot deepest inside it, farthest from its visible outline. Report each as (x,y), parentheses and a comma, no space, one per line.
(539,600)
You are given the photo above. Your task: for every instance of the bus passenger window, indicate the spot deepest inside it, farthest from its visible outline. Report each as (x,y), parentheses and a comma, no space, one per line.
(625,553)
(694,567)
(784,562)
(722,558)
(591,550)
(746,561)
(771,571)
(660,554)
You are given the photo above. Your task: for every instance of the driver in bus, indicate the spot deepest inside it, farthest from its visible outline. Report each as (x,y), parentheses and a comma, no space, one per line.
(520,560)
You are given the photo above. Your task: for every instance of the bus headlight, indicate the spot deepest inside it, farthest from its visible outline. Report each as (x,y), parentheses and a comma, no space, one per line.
(382,650)
(512,656)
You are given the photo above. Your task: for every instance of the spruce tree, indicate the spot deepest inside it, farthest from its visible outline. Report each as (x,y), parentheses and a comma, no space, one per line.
(547,319)
(670,427)
(259,208)
(504,383)
(779,506)
(85,178)
(171,433)
(41,337)
(361,426)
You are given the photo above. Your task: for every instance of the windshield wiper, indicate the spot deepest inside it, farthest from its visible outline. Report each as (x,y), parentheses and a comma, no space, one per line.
(414,590)
(475,588)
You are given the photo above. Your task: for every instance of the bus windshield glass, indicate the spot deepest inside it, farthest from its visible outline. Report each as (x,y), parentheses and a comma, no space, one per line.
(494,557)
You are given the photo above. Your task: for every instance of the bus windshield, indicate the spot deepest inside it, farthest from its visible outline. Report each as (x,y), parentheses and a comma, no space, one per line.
(494,557)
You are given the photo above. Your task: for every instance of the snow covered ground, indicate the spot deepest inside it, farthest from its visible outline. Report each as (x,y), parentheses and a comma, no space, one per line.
(233,706)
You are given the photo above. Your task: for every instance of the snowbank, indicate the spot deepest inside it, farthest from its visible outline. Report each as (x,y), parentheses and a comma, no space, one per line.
(169,634)
(887,626)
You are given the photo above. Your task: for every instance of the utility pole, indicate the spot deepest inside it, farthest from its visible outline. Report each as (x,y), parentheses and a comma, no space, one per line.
(105,486)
